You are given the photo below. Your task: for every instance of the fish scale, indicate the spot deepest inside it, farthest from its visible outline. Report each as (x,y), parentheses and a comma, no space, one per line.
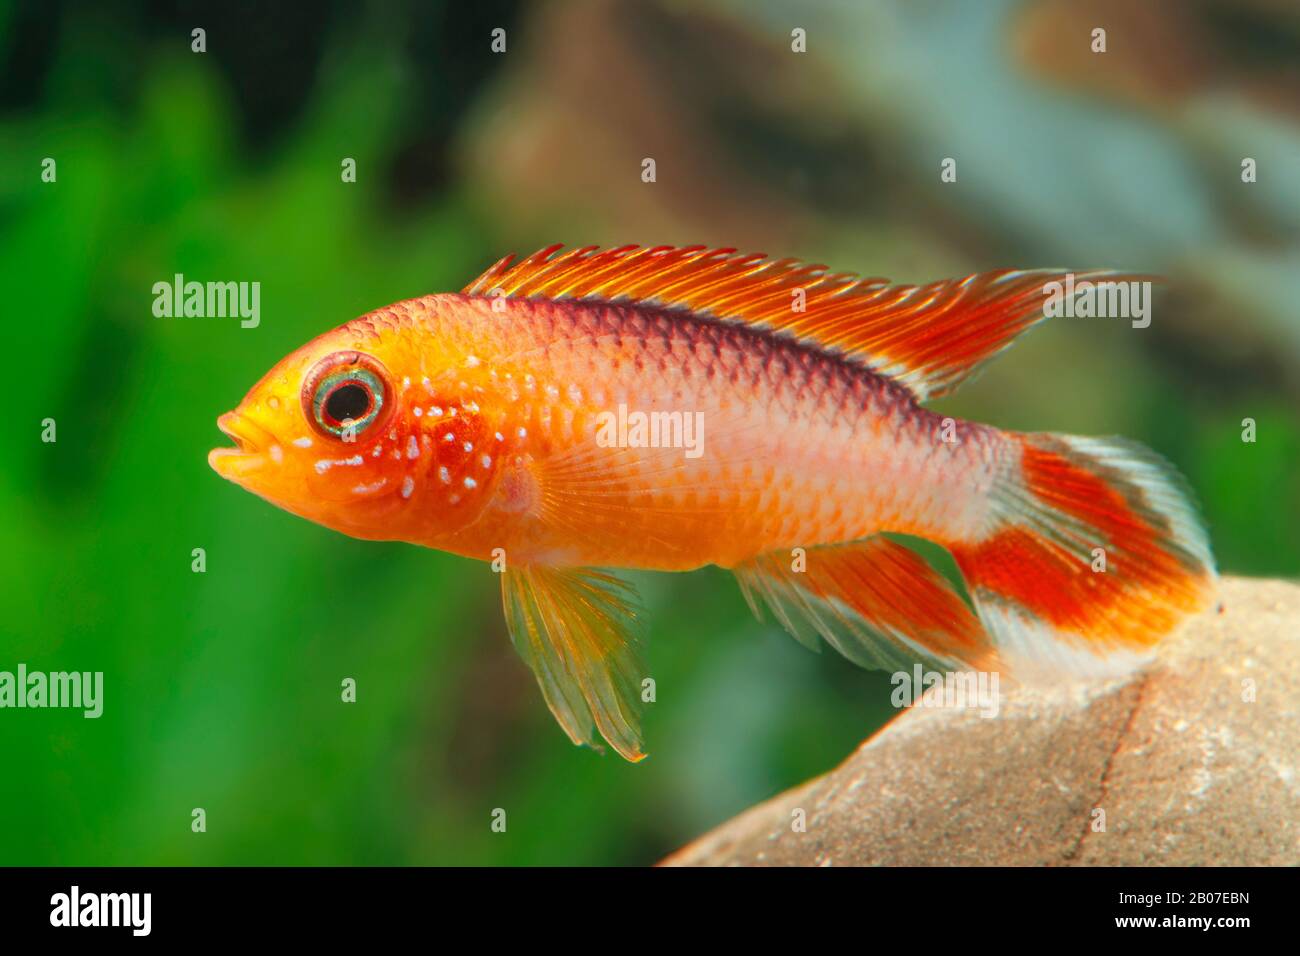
(808,411)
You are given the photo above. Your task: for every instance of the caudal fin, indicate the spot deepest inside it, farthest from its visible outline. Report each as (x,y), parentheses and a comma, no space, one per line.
(1095,554)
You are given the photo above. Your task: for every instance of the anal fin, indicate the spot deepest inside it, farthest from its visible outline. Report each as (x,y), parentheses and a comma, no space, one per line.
(875,601)
(577,629)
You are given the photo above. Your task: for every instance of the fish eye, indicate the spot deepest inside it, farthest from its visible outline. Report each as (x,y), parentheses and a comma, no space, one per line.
(344,390)
(348,399)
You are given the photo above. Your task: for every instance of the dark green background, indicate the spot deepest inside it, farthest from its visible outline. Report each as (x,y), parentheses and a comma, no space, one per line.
(223,688)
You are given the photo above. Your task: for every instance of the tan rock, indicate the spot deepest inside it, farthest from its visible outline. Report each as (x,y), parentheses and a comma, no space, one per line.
(1187,767)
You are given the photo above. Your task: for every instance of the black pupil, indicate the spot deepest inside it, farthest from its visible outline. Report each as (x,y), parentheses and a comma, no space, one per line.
(349,400)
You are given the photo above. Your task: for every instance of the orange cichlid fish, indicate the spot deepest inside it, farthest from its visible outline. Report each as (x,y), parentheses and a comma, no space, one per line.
(667,408)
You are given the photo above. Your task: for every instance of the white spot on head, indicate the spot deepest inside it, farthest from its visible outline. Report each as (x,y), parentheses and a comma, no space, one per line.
(408,486)
(428,386)
(487,461)
(406,382)
(418,411)
(378,449)
(471,361)
(468,446)
(364,489)
(471,483)
(450,436)
(412,448)
(303,442)
(276,453)
(435,410)
(500,437)
(444,475)
(522,433)
(325,464)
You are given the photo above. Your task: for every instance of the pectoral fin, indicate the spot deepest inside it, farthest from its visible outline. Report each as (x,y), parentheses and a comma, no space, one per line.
(577,629)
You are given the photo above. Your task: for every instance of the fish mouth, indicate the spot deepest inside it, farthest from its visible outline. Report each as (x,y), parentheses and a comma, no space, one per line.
(247,457)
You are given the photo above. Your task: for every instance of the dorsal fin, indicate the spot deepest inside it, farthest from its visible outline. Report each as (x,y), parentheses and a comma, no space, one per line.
(930,338)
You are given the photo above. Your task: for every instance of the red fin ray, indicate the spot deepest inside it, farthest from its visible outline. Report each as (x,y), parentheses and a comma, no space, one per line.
(875,601)
(931,338)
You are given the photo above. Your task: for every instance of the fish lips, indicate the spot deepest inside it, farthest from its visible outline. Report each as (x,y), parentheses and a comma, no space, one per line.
(248,457)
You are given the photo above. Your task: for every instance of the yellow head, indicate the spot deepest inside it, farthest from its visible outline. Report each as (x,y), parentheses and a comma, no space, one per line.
(366,429)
